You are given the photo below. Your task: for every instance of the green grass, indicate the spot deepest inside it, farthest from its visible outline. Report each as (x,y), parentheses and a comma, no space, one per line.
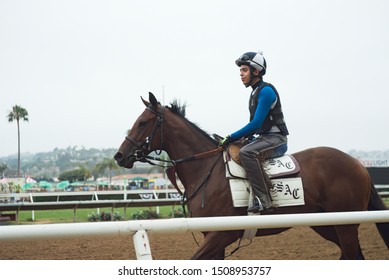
(67,215)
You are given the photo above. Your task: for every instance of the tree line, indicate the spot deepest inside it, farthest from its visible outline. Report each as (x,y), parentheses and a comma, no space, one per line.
(71,163)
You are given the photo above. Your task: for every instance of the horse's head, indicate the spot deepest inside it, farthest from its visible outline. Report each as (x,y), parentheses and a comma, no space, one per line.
(144,136)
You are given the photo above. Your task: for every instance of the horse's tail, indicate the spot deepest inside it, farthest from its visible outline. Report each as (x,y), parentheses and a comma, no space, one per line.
(376,203)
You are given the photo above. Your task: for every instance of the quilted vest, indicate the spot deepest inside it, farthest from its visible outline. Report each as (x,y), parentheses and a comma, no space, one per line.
(275,117)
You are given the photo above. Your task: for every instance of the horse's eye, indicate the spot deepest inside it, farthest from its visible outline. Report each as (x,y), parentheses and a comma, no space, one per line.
(142,124)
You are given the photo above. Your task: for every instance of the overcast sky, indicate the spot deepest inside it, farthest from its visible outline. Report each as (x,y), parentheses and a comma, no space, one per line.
(80,67)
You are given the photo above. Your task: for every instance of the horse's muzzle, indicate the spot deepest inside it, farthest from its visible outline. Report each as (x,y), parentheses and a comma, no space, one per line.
(119,158)
(122,161)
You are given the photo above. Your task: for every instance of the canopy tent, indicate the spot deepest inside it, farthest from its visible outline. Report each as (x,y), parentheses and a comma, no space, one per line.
(28,185)
(63,185)
(45,184)
(138,178)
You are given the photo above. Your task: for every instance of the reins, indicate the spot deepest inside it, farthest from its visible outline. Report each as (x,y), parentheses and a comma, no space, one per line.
(147,158)
(203,183)
(171,170)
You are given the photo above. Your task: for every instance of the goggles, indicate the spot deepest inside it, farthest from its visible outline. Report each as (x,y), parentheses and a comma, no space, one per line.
(246,59)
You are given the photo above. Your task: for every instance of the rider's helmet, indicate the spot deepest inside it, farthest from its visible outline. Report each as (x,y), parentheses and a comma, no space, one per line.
(253,59)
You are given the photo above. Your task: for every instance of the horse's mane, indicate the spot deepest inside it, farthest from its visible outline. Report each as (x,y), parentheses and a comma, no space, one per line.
(180,110)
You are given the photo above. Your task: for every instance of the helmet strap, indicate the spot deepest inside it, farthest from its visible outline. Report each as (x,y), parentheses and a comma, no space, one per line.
(252,77)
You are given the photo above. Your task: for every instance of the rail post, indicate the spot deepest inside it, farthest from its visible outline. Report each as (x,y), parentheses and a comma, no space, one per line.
(142,245)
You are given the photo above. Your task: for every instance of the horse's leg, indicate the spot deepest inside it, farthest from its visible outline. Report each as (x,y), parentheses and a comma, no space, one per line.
(214,244)
(329,233)
(349,242)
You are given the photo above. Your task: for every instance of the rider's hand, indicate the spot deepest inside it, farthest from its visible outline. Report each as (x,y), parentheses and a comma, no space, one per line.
(226,141)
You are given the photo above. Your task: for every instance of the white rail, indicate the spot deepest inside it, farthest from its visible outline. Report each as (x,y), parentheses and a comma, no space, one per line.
(87,199)
(139,228)
(90,195)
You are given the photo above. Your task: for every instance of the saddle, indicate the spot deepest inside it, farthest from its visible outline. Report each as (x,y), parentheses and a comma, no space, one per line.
(278,167)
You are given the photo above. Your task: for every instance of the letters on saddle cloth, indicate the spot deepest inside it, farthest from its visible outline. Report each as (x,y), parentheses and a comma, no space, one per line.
(285,191)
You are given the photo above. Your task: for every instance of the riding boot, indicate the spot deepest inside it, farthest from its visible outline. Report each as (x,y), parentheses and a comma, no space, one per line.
(260,184)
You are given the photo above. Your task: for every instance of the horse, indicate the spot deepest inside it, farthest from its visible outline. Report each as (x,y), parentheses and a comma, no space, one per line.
(333,180)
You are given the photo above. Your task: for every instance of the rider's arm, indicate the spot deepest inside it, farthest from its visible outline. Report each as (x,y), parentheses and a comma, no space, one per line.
(266,98)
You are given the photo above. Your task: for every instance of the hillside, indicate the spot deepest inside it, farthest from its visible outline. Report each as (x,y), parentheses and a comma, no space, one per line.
(51,164)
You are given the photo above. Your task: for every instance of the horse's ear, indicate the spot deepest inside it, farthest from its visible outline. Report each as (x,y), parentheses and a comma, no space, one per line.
(145,102)
(153,100)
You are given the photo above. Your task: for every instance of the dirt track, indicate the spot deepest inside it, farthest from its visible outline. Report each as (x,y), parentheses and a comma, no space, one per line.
(296,244)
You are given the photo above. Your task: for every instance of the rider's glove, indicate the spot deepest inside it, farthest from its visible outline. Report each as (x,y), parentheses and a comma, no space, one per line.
(226,141)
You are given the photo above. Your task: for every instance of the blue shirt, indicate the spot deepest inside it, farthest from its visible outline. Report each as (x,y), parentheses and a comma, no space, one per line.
(266,98)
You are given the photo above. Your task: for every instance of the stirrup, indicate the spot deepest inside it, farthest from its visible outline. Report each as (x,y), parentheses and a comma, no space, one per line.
(256,207)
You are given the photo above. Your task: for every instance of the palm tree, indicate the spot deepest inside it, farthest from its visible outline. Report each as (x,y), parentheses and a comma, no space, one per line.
(18,113)
(85,173)
(109,163)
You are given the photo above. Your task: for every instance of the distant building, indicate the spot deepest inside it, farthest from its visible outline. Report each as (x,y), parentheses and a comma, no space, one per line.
(378,169)
(371,162)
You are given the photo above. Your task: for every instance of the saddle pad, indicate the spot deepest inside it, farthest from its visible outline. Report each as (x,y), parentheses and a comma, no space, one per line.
(275,167)
(281,166)
(284,192)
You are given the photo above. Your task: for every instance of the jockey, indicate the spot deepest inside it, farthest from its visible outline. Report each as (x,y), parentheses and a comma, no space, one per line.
(266,130)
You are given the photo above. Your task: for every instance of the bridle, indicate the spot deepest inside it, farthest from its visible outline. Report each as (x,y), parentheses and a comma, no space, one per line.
(140,155)
(145,145)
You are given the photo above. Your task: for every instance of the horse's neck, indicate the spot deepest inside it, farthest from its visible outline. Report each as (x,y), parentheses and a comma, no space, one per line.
(184,142)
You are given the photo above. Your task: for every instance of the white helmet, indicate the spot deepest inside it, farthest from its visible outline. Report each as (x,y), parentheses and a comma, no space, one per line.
(253,59)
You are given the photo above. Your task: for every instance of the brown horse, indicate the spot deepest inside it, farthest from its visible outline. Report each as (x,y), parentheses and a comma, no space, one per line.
(333,181)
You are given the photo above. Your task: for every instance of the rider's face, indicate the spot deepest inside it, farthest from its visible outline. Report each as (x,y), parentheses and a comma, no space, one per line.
(245,74)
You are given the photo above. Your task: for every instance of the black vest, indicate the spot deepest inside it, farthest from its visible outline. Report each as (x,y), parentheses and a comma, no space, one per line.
(275,117)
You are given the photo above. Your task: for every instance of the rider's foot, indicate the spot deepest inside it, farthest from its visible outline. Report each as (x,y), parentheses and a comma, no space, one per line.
(258,207)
